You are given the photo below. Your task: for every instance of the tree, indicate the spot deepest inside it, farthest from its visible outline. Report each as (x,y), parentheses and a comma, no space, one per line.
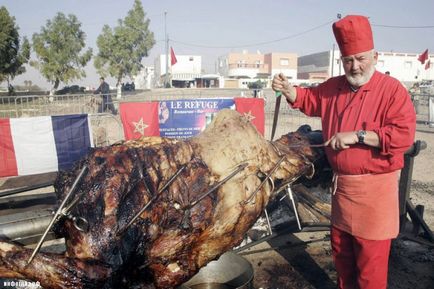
(122,48)
(58,49)
(13,55)
(258,84)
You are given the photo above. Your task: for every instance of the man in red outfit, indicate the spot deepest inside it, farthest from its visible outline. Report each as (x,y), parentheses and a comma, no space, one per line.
(369,122)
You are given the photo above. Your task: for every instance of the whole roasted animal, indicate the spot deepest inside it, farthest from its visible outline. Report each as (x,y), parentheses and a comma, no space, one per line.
(201,196)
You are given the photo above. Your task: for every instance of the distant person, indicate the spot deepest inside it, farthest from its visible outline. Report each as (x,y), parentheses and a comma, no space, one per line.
(107,102)
(119,90)
(11,89)
(133,86)
(387,73)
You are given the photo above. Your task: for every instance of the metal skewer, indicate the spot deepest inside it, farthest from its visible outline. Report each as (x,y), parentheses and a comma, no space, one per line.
(306,145)
(136,216)
(267,177)
(216,186)
(57,214)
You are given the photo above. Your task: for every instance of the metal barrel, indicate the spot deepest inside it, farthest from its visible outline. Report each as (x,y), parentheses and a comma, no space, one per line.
(25,227)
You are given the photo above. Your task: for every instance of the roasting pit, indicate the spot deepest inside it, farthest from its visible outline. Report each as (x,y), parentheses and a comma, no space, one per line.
(230,271)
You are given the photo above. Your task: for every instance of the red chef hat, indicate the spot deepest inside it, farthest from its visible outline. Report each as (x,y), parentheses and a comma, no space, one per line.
(353,34)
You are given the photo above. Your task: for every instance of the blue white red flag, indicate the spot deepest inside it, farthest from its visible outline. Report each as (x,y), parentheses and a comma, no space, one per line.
(36,145)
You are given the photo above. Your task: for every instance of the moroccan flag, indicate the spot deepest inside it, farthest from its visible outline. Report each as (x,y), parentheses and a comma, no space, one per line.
(428,65)
(173,59)
(34,145)
(139,119)
(253,110)
(423,57)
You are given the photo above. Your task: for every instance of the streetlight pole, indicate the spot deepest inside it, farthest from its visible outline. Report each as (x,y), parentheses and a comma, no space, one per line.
(166,77)
(333,60)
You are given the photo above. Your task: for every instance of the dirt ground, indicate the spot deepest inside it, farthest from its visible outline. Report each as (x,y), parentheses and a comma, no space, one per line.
(303,260)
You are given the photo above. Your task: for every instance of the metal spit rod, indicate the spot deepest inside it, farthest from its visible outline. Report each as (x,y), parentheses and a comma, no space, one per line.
(268,176)
(216,186)
(57,214)
(194,203)
(136,216)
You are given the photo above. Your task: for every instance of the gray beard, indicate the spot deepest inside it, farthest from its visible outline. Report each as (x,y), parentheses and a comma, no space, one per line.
(359,80)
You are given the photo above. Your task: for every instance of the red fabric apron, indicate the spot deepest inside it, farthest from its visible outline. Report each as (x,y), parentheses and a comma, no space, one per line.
(367,206)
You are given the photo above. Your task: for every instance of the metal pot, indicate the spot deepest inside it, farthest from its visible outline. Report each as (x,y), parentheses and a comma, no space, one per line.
(230,271)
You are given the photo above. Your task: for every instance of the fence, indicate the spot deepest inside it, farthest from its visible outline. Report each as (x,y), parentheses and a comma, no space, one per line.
(424,106)
(39,105)
(108,128)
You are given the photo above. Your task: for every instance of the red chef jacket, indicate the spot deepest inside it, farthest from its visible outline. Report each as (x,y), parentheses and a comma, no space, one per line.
(382,105)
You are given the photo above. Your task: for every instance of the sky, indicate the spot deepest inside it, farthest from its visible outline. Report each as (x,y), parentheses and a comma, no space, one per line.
(216,28)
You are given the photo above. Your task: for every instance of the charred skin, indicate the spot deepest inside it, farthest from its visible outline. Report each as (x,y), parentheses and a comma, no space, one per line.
(59,273)
(171,240)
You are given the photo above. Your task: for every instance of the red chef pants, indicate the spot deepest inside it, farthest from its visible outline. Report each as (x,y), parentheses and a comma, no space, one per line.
(360,263)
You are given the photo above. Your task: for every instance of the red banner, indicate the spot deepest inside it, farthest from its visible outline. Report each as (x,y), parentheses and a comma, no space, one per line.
(253,110)
(139,119)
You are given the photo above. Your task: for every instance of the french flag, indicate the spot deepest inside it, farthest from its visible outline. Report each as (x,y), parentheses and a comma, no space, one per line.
(36,145)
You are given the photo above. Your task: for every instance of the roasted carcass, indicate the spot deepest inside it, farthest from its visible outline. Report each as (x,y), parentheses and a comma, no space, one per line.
(183,228)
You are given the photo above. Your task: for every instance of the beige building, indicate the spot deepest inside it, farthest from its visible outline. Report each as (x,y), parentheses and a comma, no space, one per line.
(241,68)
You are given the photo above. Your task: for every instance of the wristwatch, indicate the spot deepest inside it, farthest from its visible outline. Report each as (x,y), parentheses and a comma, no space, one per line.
(361,136)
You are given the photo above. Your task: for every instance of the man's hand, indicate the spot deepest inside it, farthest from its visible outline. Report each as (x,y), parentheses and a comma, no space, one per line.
(280,84)
(342,140)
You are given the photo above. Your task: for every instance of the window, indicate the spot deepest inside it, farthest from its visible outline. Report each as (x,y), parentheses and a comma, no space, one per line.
(380,63)
(407,65)
(191,58)
(284,61)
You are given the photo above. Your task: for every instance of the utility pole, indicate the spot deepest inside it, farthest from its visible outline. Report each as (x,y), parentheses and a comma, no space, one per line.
(333,60)
(166,78)
(339,16)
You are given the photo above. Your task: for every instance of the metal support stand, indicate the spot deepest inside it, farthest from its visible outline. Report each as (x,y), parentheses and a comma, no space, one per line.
(294,207)
(405,205)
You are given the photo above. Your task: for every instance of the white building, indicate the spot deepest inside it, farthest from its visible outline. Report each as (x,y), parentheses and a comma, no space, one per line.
(145,78)
(182,74)
(403,66)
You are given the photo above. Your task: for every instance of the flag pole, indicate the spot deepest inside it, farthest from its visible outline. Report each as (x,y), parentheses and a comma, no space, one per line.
(166,77)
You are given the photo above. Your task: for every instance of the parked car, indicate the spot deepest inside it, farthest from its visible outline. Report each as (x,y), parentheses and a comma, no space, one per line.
(71,90)
(426,83)
(427,87)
